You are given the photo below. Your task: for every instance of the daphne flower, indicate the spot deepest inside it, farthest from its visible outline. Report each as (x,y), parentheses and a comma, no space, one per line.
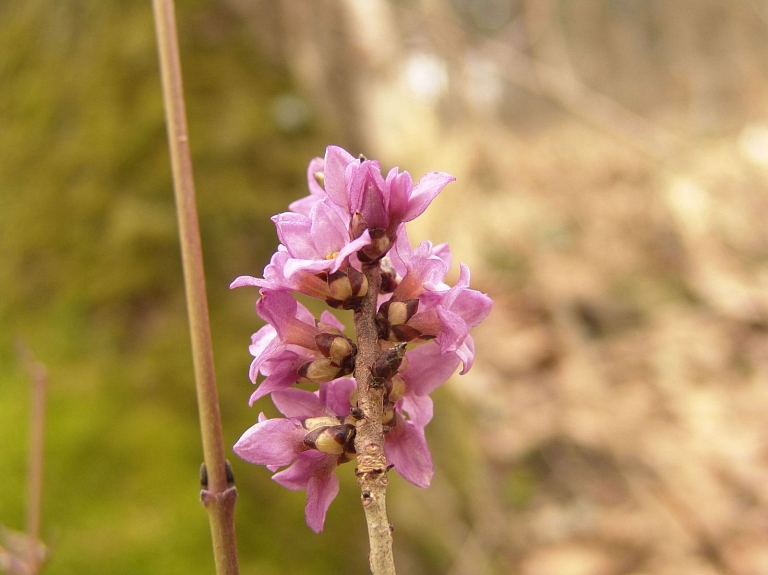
(319,241)
(279,442)
(372,202)
(405,445)
(292,347)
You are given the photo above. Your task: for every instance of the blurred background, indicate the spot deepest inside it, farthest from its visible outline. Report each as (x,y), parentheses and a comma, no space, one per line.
(611,196)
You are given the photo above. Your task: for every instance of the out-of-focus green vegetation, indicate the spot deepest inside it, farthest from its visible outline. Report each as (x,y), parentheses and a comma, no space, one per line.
(90,280)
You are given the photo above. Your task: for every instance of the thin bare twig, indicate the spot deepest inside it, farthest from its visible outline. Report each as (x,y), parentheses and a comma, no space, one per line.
(39,384)
(218,493)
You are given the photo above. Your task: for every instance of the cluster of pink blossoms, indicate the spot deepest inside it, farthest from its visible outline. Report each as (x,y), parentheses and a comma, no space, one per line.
(354,217)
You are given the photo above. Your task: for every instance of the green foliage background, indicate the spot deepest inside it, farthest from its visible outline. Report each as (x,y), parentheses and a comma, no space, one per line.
(90,280)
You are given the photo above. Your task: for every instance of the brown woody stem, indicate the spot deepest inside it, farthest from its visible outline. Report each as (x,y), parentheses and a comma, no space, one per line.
(369,440)
(219,494)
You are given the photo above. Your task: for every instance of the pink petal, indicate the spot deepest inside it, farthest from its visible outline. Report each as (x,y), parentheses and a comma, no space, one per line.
(368,195)
(329,231)
(284,376)
(264,345)
(295,232)
(336,161)
(406,447)
(335,395)
(472,306)
(244,281)
(453,331)
(328,318)
(418,408)
(272,442)
(312,471)
(428,368)
(321,491)
(466,354)
(424,192)
(298,403)
(351,248)
(400,189)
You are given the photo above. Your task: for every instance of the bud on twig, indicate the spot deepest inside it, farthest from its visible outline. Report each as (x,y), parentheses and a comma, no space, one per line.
(387,364)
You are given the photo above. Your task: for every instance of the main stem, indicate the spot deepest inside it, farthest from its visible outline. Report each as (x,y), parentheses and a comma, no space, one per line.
(218,494)
(369,440)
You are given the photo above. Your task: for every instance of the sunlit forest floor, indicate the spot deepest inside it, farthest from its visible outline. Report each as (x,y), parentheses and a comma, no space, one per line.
(611,196)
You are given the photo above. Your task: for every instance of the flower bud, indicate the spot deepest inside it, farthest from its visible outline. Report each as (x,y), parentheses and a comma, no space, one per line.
(392,317)
(332,439)
(320,370)
(387,364)
(388,415)
(378,248)
(389,279)
(339,286)
(312,423)
(399,312)
(337,348)
(346,288)
(357,225)
(394,388)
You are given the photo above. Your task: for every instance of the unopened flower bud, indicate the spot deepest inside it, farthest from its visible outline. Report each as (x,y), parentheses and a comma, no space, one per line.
(357,225)
(312,423)
(388,276)
(395,388)
(387,364)
(378,248)
(339,286)
(392,317)
(336,347)
(332,439)
(320,370)
(347,289)
(399,312)
(388,415)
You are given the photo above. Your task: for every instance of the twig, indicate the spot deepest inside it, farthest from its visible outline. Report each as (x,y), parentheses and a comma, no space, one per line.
(369,441)
(39,379)
(218,493)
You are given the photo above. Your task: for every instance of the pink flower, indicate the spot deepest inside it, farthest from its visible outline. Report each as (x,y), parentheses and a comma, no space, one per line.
(318,242)
(443,312)
(405,445)
(359,189)
(449,315)
(281,442)
(287,343)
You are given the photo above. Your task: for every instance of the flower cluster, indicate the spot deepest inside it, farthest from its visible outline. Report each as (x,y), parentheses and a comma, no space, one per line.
(352,221)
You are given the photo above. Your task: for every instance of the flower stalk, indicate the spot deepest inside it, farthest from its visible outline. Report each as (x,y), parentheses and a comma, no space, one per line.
(369,441)
(218,493)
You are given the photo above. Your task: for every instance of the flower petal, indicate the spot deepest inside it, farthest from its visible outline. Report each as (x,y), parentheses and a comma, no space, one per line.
(272,442)
(335,395)
(298,403)
(406,448)
(418,408)
(424,192)
(295,232)
(428,368)
(321,491)
(336,161)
